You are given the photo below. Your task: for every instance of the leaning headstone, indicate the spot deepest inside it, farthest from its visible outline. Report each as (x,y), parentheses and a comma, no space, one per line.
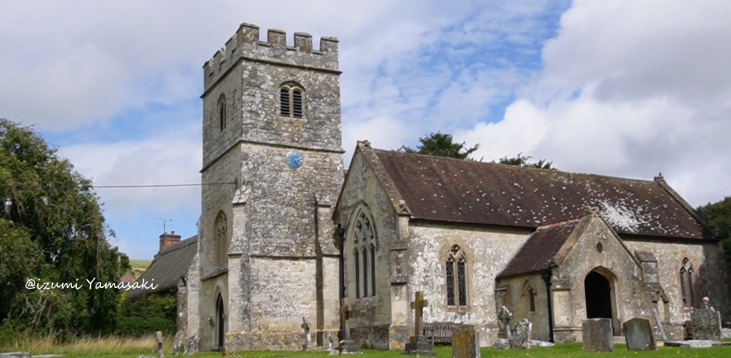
(597,335)
(178,343)
(158,350)
(521,335)
(191,345)
(465,342)
(418,344)
(501,343)
(638,334)
(706,324)
(15,355)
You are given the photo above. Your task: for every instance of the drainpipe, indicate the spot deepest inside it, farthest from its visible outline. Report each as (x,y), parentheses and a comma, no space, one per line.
(546,275)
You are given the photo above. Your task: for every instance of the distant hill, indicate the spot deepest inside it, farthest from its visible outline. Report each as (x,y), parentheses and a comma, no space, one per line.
(139,266)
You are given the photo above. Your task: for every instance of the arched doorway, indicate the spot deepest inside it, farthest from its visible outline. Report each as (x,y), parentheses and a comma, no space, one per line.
(599,298)
(219,322)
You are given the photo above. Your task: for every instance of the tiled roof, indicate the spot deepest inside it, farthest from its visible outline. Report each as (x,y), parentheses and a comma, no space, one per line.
(168,267)
(540,249)
(453,190)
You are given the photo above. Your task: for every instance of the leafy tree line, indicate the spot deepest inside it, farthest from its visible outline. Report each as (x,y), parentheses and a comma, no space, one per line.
(51,230)
(719,216)
(443,145)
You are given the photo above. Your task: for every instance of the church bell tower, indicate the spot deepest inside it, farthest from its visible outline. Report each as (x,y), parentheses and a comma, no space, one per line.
(272,167)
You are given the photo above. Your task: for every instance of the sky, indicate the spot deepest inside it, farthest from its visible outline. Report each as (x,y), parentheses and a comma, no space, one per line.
(621,88)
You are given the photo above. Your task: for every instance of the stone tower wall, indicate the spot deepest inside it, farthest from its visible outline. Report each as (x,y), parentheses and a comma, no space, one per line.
(275,263)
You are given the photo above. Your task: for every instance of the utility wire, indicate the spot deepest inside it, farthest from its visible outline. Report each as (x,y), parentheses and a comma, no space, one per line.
(116,186)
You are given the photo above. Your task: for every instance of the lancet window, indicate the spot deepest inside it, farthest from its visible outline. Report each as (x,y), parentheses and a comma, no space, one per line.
(686,283)
(364,256)
(456,275)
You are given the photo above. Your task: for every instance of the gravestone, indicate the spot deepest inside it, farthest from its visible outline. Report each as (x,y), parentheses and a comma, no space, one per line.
(346,344)
(465,342)
(419,345)
(597,335)
(191,345)
(307,342)
(501,343)
(521,335)
(638,334)
(158,350)
(706,323)
(504,318)
(178,343)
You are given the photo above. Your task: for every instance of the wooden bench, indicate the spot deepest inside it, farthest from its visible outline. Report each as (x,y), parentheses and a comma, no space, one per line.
(439,332)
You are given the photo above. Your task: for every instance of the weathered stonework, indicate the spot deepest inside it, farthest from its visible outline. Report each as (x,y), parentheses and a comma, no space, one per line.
(281,249)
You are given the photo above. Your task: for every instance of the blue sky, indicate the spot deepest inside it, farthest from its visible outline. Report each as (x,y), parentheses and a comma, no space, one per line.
(619,88)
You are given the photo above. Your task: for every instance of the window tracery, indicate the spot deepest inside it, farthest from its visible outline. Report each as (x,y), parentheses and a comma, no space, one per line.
(456,276)
(364,255)
(221,238)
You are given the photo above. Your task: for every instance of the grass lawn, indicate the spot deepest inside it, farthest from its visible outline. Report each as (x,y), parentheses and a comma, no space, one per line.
(563,350)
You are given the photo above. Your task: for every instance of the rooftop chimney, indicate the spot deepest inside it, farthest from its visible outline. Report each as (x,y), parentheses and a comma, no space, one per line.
(167,239)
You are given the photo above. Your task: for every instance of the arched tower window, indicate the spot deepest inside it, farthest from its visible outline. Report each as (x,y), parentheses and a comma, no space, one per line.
(456,277)
(291,101)
(221,238)
(364,256)
(686,283)
(222,112)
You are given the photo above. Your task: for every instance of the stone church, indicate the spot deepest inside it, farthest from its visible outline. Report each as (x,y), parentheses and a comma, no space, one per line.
(286,232)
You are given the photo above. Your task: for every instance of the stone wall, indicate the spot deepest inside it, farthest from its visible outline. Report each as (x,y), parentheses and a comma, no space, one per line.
(711,275)
(488,251)
(517,298)
(371,318)
(209,291)
(193,297)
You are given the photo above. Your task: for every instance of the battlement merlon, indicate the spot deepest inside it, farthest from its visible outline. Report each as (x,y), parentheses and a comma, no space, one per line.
(245,45)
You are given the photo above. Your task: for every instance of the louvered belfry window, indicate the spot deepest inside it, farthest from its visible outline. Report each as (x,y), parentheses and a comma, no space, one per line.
(291,102)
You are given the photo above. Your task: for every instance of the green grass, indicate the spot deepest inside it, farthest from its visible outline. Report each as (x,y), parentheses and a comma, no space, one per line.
(112,347)
(139,263)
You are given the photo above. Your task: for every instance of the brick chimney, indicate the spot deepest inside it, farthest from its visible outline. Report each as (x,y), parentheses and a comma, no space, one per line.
(168,239)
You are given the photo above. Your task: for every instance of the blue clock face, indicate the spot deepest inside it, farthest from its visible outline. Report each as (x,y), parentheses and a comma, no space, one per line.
(294,160)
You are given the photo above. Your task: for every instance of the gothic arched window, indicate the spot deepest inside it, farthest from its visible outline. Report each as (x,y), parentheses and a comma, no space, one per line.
(222,112)
(221,226)
(364,256)
(290,101)
(456,277)
(530,293)
(686,283)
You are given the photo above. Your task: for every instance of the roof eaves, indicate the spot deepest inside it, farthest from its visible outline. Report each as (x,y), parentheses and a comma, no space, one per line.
(663,184)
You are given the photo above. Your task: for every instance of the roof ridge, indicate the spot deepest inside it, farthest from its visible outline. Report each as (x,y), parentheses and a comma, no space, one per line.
(513,166)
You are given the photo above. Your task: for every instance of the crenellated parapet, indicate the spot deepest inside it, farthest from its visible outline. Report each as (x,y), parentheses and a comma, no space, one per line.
(245,45)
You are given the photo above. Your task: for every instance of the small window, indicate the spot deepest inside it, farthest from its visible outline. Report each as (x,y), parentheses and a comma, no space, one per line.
(221,238)
(291,102)
(222,112)
(456,275)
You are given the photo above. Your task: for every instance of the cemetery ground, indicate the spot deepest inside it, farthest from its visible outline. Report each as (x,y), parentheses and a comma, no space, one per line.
(130,348)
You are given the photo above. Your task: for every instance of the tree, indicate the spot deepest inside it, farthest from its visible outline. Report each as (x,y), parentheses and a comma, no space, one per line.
(52,231)
(522,161)
(719,216)
(442,145)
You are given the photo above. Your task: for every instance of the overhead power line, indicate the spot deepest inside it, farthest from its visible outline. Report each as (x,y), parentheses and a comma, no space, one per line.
(120,186)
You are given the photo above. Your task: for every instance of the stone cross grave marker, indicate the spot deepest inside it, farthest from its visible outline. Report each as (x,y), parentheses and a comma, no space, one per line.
(597,335)
(418,344)
(465,342)
(308,338)
(346,345)
(639,335)
(706,323)
(504,317)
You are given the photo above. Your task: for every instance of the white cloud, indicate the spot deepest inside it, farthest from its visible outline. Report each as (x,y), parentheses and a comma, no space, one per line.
(629,89)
